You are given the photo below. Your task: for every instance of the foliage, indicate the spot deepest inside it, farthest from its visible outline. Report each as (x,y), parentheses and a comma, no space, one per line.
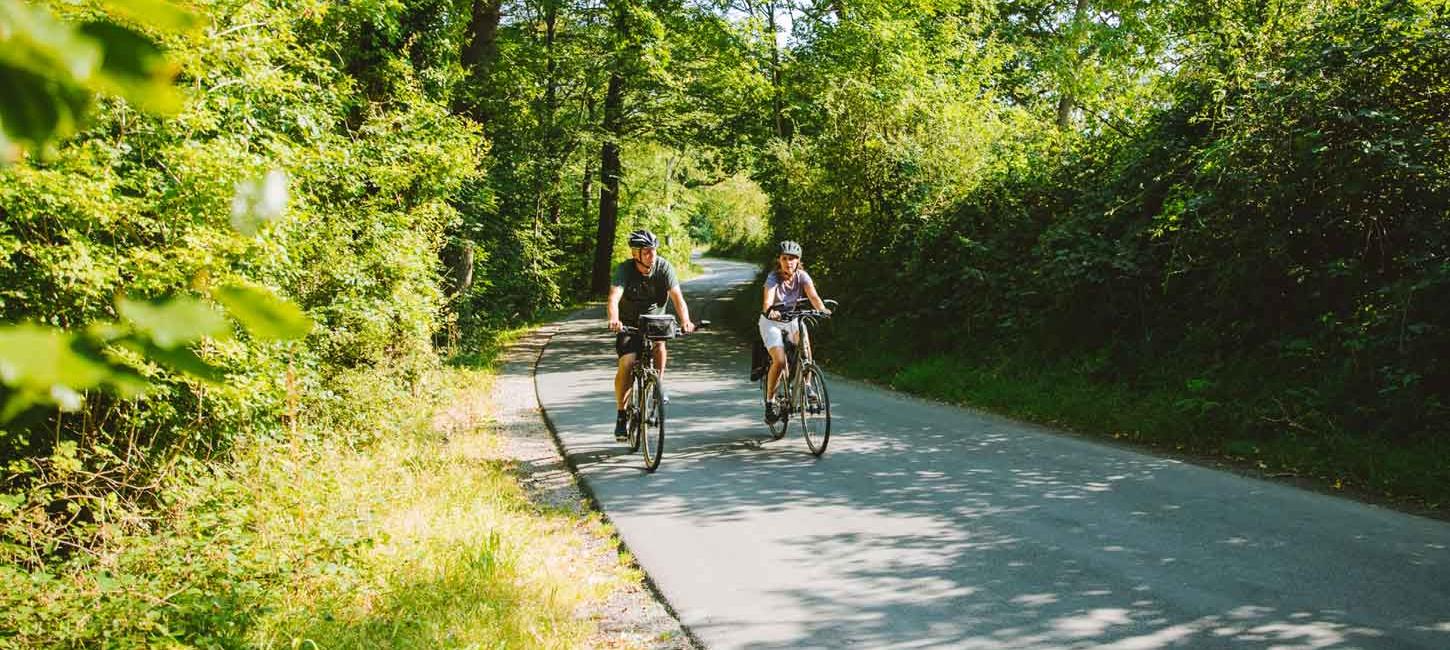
(733,218)
(337,541)
(52,69)
(142,208)
(1256,192)
(46,365)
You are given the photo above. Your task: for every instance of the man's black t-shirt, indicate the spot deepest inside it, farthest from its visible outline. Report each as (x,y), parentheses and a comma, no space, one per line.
(643,294)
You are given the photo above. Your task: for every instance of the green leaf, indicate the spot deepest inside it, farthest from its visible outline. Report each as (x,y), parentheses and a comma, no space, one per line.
(159,14)
(175,323)
(262,313)
(34,111)
(38,42)
(133,67)
(40,357)
(128,383)
(41,365)
(185,361)
(49,68)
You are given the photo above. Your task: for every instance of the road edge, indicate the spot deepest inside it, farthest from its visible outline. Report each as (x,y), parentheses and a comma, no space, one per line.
(590,501)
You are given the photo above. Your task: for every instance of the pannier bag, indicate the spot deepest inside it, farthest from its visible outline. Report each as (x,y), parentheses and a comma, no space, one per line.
(759,360)
(657,326)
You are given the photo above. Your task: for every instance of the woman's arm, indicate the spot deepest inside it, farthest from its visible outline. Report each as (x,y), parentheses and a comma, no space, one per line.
(815,299)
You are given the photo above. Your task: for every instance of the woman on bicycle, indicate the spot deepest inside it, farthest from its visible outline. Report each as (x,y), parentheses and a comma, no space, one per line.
(784,287)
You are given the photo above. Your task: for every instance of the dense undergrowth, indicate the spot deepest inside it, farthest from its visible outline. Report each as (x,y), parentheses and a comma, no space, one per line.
(1158,410)
(394,525)
(1239,244)
(305,497)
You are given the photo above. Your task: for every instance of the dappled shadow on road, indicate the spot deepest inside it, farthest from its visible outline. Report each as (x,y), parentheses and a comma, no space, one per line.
(979,533)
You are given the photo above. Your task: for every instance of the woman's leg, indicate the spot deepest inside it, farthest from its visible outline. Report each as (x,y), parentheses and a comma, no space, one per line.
(771,336)
(777,362)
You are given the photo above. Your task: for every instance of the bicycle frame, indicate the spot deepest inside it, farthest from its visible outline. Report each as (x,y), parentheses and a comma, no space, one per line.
(642,369)
(800,388)
(644,404)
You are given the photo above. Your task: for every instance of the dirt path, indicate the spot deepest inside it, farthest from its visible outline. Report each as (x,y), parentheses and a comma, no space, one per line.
(630,618)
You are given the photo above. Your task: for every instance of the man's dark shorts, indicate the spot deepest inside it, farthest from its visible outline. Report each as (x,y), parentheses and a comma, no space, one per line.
(628,343)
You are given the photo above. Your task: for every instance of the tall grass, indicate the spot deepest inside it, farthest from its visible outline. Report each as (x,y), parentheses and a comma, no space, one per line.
(451,552)
(366,527)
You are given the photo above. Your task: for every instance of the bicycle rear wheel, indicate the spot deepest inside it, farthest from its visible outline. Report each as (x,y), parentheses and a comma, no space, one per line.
(777,428)
(815,409)
(652,425)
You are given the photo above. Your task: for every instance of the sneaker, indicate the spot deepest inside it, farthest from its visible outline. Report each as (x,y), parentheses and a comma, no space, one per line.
(621,433)
(770,415)
(664,397)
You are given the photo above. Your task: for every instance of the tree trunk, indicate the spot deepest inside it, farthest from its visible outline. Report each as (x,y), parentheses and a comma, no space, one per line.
(610,169)
(553,147)
(480,52)
(457,256)
(482,47)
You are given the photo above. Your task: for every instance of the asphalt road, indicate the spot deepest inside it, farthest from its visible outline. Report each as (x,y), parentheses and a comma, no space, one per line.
(929,526)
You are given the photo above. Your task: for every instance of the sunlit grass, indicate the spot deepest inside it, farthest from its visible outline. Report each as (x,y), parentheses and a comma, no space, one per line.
(442,548)
(387,519)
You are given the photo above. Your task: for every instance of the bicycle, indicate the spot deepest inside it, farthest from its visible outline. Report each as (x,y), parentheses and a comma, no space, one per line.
(644,404)
(801,388)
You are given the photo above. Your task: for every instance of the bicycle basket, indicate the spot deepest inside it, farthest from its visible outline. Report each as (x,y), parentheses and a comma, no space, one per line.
(657,326)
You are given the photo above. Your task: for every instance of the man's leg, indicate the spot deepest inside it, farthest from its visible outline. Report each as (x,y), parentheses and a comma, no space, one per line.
(621,379)
(621,386)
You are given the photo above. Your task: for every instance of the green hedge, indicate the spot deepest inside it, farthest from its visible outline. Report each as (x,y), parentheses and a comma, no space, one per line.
(140,207)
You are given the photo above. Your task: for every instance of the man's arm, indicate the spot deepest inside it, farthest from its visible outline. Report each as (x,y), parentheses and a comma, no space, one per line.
(611,309)
(678,297)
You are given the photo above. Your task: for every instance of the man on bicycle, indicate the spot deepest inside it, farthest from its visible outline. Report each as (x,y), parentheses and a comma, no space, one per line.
(640,286)
(784,287)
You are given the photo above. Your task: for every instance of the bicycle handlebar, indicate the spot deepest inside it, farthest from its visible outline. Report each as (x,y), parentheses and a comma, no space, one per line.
(792,313)
(805,313)
(679,331)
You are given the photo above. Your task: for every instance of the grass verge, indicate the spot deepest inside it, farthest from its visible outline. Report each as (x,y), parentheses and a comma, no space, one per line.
(369,528)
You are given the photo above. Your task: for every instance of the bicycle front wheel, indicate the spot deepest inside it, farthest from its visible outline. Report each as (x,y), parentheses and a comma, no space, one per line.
(633,411)
(815,409)
(652,425)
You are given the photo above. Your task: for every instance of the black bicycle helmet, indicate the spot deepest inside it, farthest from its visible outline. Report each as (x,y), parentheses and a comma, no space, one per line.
(643,239)
(790,247)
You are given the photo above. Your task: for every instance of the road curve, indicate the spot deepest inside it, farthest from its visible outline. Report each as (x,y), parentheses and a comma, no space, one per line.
(929,526)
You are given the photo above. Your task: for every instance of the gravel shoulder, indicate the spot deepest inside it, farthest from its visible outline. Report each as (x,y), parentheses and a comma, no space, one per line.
(634,617)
